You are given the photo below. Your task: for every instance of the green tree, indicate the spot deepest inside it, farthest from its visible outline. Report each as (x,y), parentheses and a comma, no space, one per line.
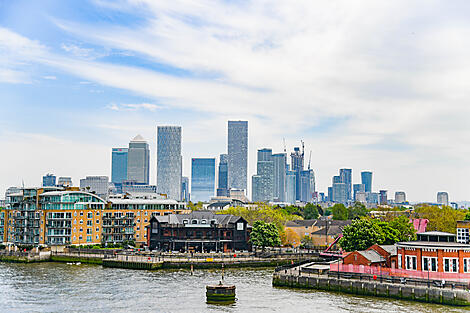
(361,234)
(310,211)
(467,216)
(406,231)
(440,218)
(265,235)
(390,235)
(340,212)
(358,210)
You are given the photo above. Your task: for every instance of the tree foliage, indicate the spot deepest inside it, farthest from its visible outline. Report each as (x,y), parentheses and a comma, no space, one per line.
(291,238)
(340,212)
(265,235)
(357,210)
(310,211)
(365,232)
(440,218)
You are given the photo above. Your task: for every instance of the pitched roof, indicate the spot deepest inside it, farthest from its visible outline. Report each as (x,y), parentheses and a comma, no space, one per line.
(301,223)
(332,231)
(391,249)
(372,255)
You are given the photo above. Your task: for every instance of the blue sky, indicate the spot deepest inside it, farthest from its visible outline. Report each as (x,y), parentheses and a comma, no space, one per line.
(370,85)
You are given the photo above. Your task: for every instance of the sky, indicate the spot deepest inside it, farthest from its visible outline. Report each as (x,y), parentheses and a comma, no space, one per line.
(370,85)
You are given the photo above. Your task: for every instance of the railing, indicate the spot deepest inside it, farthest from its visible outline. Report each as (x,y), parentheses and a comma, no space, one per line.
(395,275)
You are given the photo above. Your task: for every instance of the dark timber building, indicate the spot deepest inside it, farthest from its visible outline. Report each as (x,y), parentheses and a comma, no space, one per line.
(197,232)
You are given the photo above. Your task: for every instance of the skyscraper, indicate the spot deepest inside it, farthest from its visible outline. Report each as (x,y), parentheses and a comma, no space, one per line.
(340,193)
(237,154)
(290,186)
(345,175)
(169,161)
(138,160)
(358,188)
(366,179)
(279,183)
(297,165)
(95,184)
(48,180)
(307,185)
(185,196)
(64,181)
(263,181)
(383,197)
(400,197)
(202,179)
(222,187)
(119,165)
(443,198)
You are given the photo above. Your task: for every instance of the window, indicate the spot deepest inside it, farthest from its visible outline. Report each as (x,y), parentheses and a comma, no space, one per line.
(81,213)
(466,265)
(89,223)
(81,221)
(90,215)
(97,221)
(429,264)
(239,226)
(410,262)
(97,236)
(88,238)
(145,213)
(185,222)
(203,221)
(89,231)
(451,265)
(194,222)
(97,229)
(399,260)
(98,213)
(81,229)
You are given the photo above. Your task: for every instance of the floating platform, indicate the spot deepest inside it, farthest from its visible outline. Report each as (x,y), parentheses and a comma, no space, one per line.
(220,293)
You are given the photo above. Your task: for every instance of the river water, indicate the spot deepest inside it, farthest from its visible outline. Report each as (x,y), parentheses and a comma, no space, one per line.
(56,287)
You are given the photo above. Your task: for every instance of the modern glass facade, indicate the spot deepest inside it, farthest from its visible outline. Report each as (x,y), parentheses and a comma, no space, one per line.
(119,165)
(290,186)
(138,160)
(340,193)
(202,179)
(222,188)
(169,161)
(48,180)
(279,183)
(263,181)
(96,184)
(297,165)
(185,189)
(307,185)
(358,188)
(366,179)
(346,177)
(237,154)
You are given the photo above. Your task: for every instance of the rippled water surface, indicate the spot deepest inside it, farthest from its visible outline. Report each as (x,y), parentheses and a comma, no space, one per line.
(55,287)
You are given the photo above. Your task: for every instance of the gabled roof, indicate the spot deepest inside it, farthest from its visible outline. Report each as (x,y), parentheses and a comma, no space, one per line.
(332,231)
(301,223)
(391,249)
(372,255)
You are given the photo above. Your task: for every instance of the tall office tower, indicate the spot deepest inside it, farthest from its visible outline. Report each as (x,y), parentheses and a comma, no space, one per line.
(185,196)
(95,184)
(443,198)
(222,187)
(64,182)
(366,179)
(290,186)
(361,197)
(119,165)
(237,154)
(346,177)
(169,161)
(297,165)
(400,197)
(336,179)
(330,194)
(279,193)
(48,180)
(138,160)
(202,179)
(263,181)
(307,185)
(358,188)
(340,193)
(383,197)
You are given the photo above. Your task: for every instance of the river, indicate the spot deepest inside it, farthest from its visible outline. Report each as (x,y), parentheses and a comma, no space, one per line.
(58,287)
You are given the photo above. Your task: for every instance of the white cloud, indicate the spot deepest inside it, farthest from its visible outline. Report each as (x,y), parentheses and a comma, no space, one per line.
(50,77)
(133,106)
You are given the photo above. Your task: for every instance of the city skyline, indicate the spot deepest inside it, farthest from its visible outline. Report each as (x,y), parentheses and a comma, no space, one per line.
(382,96)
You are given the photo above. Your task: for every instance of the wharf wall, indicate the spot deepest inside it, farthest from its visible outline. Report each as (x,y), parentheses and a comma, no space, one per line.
(396,291)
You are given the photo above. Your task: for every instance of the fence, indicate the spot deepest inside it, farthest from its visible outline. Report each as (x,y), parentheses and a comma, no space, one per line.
(400,274)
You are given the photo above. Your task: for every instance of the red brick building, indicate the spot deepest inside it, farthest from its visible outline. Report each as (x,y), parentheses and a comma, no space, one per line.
(434,252)
(375,255)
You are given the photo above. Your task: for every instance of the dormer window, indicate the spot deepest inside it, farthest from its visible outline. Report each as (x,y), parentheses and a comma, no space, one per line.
(213,221)
(194,222)
(203,221)
(185,222)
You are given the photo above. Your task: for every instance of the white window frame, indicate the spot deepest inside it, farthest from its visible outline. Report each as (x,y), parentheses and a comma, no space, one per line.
(429,259)
(399,260)
(409,261)
(451,261)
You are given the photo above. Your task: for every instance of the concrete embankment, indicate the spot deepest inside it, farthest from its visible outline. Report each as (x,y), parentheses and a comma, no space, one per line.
(415,293)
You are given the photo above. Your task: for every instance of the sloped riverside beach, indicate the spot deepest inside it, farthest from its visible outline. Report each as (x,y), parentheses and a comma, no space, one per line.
(59,287)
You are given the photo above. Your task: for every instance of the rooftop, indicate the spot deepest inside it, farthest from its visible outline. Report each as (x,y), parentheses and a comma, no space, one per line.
(372,256)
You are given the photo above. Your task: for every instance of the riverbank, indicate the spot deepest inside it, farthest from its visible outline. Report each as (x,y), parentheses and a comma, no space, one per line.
(294,279)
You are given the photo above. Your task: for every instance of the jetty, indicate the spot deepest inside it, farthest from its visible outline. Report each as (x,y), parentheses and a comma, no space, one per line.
(316,276)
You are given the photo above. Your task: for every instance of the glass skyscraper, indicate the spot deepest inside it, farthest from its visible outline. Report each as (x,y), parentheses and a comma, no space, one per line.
(345,175)
(237,154)
(138,160)
(280,160)
(366,179)
(48,180)
(185,189)
(297,165)
(202,179)
(119,165)
(263,181)
(222,188)
(290,186)
(169,161)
